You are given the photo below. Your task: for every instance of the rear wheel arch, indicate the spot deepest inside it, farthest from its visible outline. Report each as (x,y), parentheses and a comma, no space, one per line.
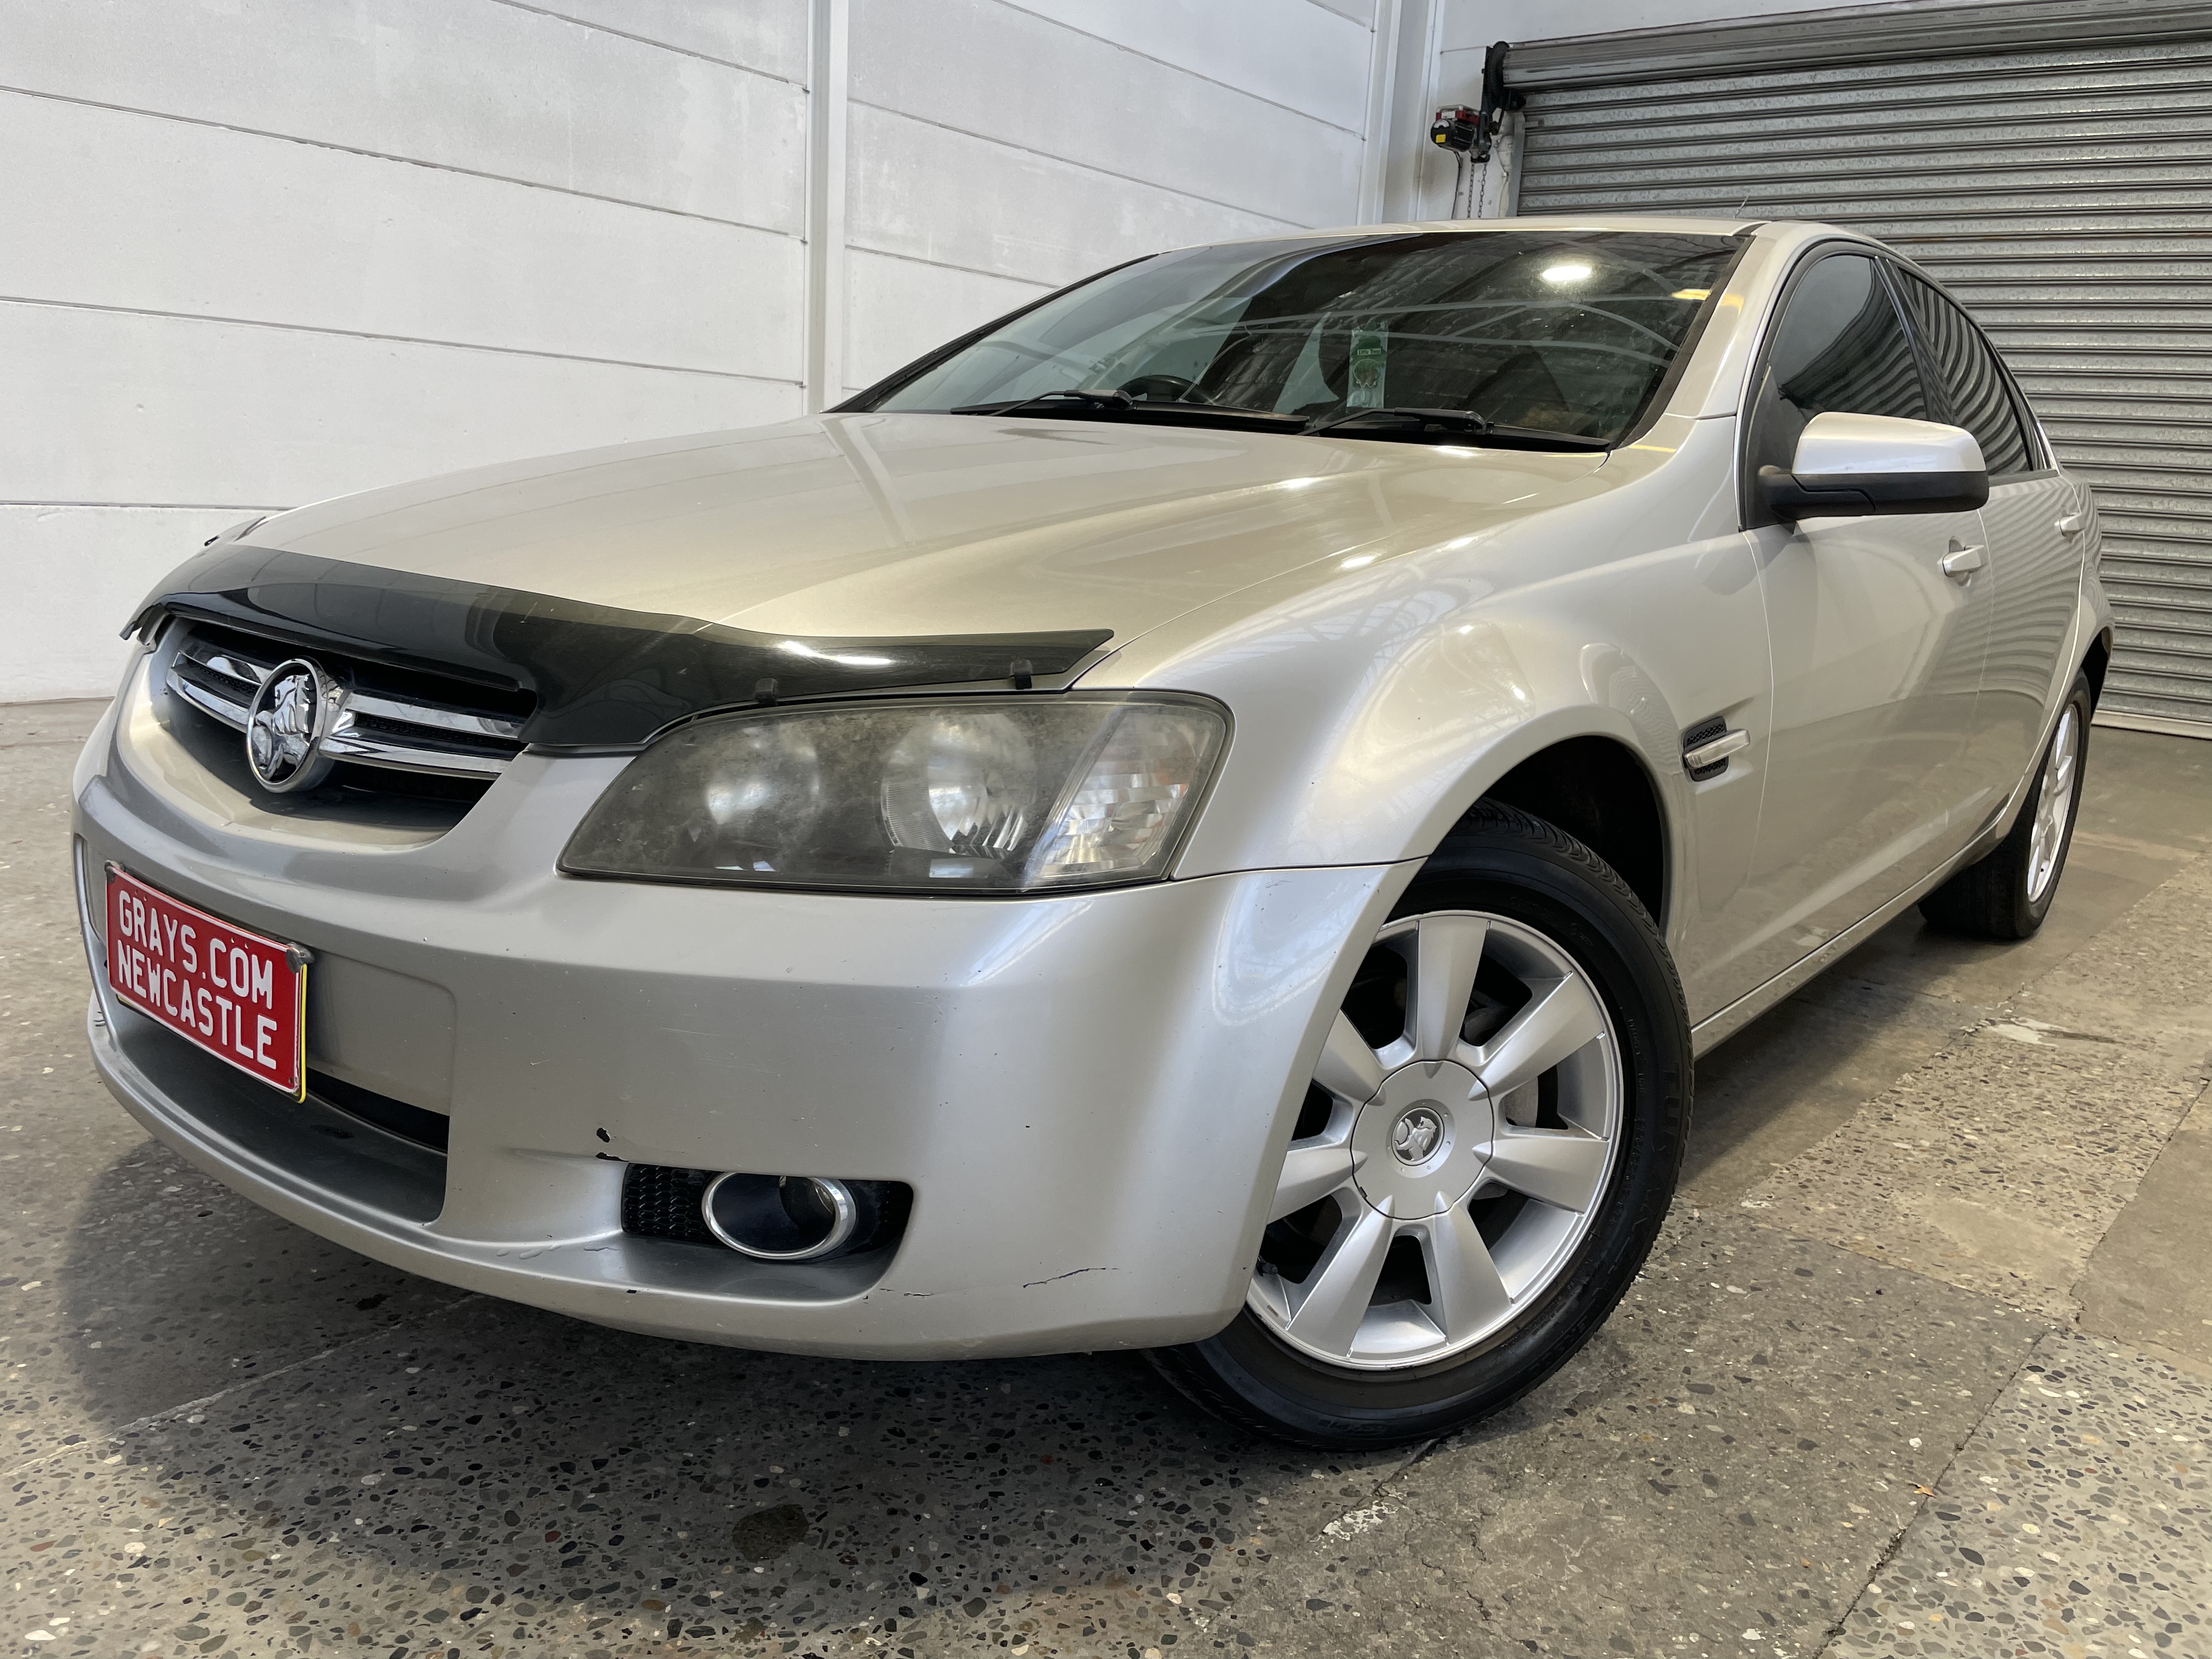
(2098,659)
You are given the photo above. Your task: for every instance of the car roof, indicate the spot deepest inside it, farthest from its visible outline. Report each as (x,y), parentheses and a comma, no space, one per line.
(1624,221)
(1646,223)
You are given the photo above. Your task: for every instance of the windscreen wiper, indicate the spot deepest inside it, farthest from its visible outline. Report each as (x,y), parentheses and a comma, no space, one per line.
(1111,403)
(1066,400)
(1427,426)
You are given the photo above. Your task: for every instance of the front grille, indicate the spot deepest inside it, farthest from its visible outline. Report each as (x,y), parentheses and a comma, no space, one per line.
(660,1202)
(398,720)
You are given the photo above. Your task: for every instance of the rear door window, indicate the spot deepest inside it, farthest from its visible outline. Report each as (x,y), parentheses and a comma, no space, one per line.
(1973,383)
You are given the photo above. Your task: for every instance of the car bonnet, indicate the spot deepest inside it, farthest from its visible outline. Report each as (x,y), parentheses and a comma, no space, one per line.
(1009,541)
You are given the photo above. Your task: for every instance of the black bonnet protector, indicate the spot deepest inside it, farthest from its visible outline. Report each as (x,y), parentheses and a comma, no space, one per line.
(601,677)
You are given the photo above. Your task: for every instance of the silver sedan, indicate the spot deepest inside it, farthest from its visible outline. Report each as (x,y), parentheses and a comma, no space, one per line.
(1212,815)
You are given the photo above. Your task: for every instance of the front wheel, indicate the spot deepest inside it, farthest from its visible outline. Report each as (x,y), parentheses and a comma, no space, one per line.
(1484,1156)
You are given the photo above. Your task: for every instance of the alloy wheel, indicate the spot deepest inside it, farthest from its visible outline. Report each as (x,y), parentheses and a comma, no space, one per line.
(1462,1129)
(2054,805)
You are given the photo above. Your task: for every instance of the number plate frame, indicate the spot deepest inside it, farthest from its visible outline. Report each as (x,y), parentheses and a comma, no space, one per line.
(231,992)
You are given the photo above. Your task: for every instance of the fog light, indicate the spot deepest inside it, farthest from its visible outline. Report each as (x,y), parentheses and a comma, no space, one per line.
(789,1218)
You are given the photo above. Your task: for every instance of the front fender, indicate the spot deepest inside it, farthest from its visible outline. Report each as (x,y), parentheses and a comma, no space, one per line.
(1437,716)
(1376,701)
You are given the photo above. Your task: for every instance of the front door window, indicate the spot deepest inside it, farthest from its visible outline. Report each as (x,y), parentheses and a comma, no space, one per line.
(1839,346)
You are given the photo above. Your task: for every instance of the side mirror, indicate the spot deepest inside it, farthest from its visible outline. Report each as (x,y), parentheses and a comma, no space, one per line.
(1847,465)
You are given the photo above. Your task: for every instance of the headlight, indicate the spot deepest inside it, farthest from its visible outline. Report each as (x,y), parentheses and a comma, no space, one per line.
(976,794)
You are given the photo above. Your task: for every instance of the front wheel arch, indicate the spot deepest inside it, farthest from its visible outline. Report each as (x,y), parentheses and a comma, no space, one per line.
(1599,790)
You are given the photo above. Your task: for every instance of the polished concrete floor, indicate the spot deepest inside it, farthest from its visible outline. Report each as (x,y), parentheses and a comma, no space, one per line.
(1921,1367)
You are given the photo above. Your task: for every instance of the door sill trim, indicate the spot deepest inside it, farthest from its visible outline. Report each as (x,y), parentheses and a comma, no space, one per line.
(1714,1029)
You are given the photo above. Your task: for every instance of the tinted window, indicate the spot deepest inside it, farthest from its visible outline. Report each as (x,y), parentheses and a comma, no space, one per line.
(1973,384)
(1839,344)
(1565,331)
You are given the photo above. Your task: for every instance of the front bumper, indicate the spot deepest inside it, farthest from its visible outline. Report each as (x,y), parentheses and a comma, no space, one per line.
(1082,1092)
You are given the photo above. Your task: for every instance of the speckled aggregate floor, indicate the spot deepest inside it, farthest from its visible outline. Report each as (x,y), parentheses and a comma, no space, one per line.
(2077,1521)
(1920,1368)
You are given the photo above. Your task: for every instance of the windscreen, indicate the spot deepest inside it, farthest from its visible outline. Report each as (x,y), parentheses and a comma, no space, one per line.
(1565,331)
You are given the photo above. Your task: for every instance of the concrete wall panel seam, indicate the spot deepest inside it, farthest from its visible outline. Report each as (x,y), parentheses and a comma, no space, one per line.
(829,198)
(394,339)
(647,40)
(1180,69)
(1436,178)
(397,160)
(992,70)
(1037,284)
(1018,215)
(899,308)
(487,87)
(1382,79)
(1078,161)
(118,210)
(158,409)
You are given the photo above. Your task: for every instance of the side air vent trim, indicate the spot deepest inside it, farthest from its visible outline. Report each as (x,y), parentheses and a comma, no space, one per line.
(1707,745)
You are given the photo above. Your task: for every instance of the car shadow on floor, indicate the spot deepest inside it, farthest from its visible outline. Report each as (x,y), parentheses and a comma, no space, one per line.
(172,1288)
(478,1458)
(432,1457)
(1805,1067)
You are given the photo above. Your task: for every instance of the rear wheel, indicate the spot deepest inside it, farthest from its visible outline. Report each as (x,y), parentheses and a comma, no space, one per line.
(2007,894)
(1486,1149)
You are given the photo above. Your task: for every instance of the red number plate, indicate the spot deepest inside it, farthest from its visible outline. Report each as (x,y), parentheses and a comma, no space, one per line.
(240,996)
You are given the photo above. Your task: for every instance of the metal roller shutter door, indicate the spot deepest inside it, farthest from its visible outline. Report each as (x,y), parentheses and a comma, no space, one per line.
(2051,163)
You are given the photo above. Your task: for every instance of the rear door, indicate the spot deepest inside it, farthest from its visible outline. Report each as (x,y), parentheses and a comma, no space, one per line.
(1877,652)
(2033,527)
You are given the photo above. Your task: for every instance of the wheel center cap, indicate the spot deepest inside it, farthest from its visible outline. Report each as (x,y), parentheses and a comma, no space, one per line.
(1417,1135)
(1421,1144)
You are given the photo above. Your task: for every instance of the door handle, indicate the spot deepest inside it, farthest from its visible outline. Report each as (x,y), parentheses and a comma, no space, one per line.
(2073,524)
(1962,562)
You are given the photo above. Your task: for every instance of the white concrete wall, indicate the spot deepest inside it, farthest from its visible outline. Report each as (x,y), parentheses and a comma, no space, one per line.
(999,148)
(254,252)
(258,251)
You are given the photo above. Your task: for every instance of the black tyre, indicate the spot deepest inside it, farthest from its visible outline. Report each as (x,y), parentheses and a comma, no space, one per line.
(2007,894)
(1489,1143)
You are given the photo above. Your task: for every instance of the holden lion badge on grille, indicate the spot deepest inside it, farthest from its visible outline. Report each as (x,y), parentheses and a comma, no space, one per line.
(285,725)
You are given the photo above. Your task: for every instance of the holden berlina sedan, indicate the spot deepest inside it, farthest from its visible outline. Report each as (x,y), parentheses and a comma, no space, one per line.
(1212,815)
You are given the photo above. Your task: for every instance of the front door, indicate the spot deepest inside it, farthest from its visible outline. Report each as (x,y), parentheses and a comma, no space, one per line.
(1878,650)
